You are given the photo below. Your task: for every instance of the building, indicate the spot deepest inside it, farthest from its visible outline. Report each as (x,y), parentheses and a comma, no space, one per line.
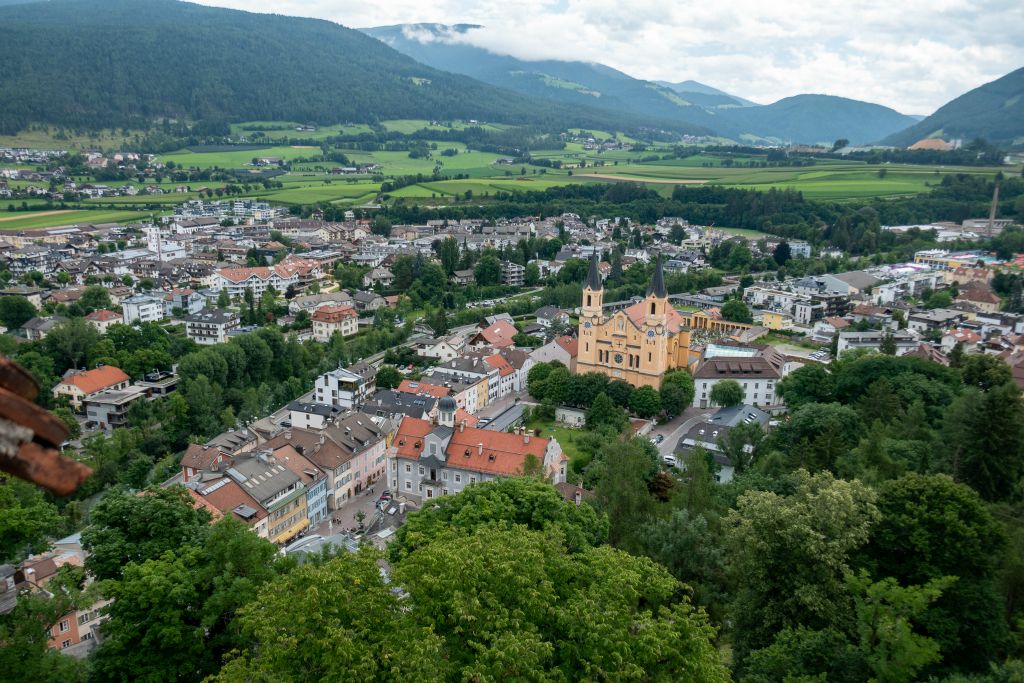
(310,415)
(644,340)
(563,349)
(756,369)
(799,249)
(103,318)
(108,410)
(709,433)
(142,308)
(872,340)
(78,385)
(37,328)
(513,274)
(276,488)
(330,319)
(427,460)
(343,388)
(210,327)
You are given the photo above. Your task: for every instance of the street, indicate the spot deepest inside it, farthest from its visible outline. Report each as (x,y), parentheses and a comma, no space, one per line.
(677,427)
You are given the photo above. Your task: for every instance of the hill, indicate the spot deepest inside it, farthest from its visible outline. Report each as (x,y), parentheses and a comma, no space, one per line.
(105,63)
(994,111)
(572,82)
(819,118)
(695,90)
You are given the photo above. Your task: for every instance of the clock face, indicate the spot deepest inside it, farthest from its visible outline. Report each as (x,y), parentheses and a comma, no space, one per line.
(618,358)
(588,325)
(650,333)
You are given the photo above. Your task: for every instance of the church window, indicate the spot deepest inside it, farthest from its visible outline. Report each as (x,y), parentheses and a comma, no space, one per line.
(649,357)
(652,308)
(588,299)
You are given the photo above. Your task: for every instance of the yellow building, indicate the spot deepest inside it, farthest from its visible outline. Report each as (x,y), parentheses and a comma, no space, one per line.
(642,342)
(774,320)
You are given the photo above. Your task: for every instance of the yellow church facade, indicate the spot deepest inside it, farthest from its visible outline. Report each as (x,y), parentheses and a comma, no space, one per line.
(639,344)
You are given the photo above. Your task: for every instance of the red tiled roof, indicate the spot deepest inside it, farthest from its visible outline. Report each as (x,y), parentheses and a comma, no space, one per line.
(411,387)
(409,439)
(504,367)
(226,495)
(200,457)
(570,344)
(481,450)
(499,334)
(98,379)
(104,315)
(201,503)
(333,314)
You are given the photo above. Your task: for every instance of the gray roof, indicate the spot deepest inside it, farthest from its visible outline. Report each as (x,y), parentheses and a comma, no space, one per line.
(594,275)
(657,287)
(261,479)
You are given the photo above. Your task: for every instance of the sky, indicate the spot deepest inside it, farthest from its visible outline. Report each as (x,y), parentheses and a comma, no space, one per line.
(911,55)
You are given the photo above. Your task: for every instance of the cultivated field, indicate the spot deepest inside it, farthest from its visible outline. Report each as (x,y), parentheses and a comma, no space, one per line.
(32,220)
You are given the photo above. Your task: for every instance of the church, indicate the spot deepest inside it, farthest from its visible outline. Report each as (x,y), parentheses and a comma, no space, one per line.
(643,341)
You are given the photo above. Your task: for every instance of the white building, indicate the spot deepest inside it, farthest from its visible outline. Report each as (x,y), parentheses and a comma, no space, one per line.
(342,388)
(142,308)
(872,340)
(210,327)
(757,371)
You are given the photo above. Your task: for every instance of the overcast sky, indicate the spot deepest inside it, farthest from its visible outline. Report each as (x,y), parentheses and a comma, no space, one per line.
(912,55)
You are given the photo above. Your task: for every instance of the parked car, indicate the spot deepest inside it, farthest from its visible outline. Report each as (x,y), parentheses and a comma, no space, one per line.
(657,439)
(670,460)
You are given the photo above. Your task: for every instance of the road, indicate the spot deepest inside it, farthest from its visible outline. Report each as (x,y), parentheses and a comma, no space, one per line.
(676,428)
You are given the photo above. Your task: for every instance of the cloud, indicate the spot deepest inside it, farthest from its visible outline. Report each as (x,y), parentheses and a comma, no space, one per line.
(913,55)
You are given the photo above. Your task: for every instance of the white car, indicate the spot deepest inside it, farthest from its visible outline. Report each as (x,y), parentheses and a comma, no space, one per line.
(670,460)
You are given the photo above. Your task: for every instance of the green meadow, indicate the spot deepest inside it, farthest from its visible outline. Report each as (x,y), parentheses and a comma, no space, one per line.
(32,220)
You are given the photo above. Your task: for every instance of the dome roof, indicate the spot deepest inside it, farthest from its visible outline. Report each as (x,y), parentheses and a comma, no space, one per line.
(447,405)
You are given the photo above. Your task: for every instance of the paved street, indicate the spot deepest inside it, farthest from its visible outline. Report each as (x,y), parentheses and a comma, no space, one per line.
(676,428)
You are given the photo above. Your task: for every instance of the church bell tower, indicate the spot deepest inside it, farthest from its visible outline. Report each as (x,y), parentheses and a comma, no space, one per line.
(591,316)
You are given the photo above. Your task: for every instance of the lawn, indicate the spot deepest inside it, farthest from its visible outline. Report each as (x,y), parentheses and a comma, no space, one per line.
(32,220)
(565,437)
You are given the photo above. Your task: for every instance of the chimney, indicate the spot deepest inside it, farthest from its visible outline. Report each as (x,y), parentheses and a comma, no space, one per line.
(462,426)
(322,438)
(578,497)
(288,435)
(526,438)
(480,449)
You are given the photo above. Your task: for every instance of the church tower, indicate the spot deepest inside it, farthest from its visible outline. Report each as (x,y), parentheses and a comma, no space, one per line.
(654,356)
(591,315)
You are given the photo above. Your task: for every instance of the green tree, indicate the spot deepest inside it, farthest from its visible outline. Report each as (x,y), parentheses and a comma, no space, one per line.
(26,519)
(94,298)
(782,253)
(388,377)
(932,527)
(740,444)
(645,402)
(532,275)
(604,413)
(790,555)
(449,255)
(128,528)
(736,311)
(984,434)
(223,300)
(727,393)
(811,383)
(677,391)
(623,473)
(69,343)
(487,271)
(15,311)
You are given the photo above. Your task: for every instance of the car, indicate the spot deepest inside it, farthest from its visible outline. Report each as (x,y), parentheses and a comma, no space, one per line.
(385,496)
(657,439)
(483,421)
(670,460)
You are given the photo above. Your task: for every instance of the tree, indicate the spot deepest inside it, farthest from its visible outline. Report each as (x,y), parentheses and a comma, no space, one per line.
(69,343)
(388,377)
(888,345)
(68,418)
(810,384)
(94,298)
(449,255)
(532,275)
(26,520)
(740,443)
(782,253)
(727,393)
(790,555)
(677,391)
(932,527)
(223,299)
(839,144)
(645,402)
(487,271)
(172,617)
(502,503)
(984,434)
(128,528)
(622,474)
(15,311)
(604,413)
(736,311)
(984,372)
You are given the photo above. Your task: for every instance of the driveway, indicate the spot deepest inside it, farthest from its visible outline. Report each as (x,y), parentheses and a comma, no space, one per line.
(676,428)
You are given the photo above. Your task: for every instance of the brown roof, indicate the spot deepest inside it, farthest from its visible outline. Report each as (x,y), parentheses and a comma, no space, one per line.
(104,315)
(200,457)
(97,379)
(767,363)
(417,387)
(482,450)
(570,344)
(499,334)
(333,314)
(226,495)
(979,293)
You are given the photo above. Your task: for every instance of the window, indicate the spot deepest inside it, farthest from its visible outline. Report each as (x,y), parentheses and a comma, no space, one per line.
(421,487)
(394,466)
(408,468)
(472,480)
(408,486)
(652,308)
(444,476)
(65,643)
(458,478)
(65,626)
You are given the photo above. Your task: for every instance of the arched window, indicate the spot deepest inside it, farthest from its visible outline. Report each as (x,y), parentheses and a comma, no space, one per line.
(652,308)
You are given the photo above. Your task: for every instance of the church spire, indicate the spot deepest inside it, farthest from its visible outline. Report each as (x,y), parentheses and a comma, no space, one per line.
(657,287)
(594,276)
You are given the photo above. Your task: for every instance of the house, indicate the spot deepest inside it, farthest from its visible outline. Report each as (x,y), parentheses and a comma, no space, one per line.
(776,320)
(709,432)
(78,385)
(104,318)
(368,301)
(443,349)
(512,274)
(757,369)
(548,316)
(142,308)
(211,327)
(826,328)
(872,340)
(967,338)
(330,319)
(427,460)
(498,335)
(312,477)
(276,488)
(463,277)
(935,319)
(344,388)
(310,415)
(573,417)
(562,349)
(378,275)
(37,328)
(394,405)
(188,301)
(227,495)
(108,410)
(981,295)
(351,451)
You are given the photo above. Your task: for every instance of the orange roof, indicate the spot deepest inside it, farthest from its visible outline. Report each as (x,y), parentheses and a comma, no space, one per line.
(410,387)
(933,144)
(504,367)
(98,379)
(463,416)
(637,313)
(499,334)
(334,314)
(103,315)
(409,439)
(226,495)
(570,344)
(200,457)
(202,504)
(482,450)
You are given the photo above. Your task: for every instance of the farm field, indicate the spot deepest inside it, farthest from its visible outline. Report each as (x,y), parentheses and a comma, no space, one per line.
(236,159)
(46,137)
(239,130)
(32,220)
(481,186)
(408,126)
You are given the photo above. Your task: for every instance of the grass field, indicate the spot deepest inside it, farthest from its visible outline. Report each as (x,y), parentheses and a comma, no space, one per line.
(408,126)
(239,159)
(47,137)
(32,220)
(238,130)
(565,437)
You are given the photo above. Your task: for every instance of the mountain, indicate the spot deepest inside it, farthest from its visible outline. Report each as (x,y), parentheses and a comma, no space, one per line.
(994,111)
(105,63)
(577,83)
(819,118)
(695,91)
